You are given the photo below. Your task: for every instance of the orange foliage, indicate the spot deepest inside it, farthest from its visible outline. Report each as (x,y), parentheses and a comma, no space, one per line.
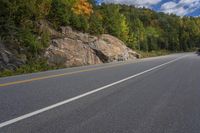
(82,7)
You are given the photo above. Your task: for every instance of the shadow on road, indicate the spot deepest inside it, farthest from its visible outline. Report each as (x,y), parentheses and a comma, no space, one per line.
(198,53)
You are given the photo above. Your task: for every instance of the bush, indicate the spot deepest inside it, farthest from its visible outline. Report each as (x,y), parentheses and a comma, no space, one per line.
(60,13)
(33,65)
(33,43)
(45,39)
(6,73)
(96,24)
(80,23)
(29,41)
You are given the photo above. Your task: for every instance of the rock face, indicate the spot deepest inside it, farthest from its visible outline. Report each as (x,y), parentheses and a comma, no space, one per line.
(68,52)
(113,49)
(76,49)
(9,60)
(70,48)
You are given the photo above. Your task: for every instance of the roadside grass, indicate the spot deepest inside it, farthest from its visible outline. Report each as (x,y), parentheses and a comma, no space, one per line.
(41,65)
(154,53)
(30,67)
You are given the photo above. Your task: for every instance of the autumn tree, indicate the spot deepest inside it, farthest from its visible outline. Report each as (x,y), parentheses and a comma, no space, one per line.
(82,7)
(140,28)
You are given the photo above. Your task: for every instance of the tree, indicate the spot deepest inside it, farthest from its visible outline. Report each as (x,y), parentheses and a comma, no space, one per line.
(82,7)
(124,28)
(152,36)
(61,13)
(96,23)
(114,22)
(139,33)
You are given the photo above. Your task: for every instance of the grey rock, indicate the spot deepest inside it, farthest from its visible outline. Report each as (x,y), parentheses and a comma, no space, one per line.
(4,57)
(10,60)
(76,49)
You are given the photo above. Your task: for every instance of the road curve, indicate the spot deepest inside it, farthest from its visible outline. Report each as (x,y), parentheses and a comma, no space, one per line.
(154,95)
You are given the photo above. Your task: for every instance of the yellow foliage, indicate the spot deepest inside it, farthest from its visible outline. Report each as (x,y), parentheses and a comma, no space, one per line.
(82,7)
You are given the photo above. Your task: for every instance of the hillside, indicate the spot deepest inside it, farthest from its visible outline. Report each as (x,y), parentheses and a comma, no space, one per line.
(22,33)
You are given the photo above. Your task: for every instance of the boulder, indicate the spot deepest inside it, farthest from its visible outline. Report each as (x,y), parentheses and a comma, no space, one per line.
(69,48)
(10,60)
(113,48)
(77,49)
(68,52)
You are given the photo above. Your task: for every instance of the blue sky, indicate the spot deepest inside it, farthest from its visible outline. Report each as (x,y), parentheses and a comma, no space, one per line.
(178,7)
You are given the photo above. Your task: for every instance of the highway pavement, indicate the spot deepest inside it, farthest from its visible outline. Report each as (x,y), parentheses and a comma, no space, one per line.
(153,95)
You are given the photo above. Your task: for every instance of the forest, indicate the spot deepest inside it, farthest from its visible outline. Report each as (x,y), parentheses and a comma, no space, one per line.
(141,29)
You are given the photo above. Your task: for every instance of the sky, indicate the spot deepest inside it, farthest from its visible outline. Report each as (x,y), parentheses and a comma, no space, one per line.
(178,7)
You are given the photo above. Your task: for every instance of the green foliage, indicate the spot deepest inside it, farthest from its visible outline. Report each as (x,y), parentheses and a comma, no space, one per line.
(18,24)
(124,28)
(45,39)
(30,41)
(138,30)
(6,73)
(60,13)
(114,22)
(96,24)
(34,65)
(158,31)
(153,53)
(22,12)
(141,29)
(34,44)
(152,38)
(80,23)
(111,19)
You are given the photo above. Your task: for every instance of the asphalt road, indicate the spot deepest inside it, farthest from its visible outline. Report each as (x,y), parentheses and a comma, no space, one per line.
(155,95)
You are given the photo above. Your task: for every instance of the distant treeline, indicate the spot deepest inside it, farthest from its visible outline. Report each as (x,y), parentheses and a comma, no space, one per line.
(140,29)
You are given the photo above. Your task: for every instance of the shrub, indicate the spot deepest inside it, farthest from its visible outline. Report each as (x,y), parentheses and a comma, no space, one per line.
(60,13)
(33,65)
(29,41)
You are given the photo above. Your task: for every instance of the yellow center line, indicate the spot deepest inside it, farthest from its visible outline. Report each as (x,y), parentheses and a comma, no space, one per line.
(58,75)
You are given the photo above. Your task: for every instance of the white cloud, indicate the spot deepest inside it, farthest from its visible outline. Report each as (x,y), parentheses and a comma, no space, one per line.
(178,7)
(139,3)
(181,8)
(172,7)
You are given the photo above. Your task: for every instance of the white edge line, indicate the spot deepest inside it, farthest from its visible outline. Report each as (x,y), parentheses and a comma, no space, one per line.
(9,122)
